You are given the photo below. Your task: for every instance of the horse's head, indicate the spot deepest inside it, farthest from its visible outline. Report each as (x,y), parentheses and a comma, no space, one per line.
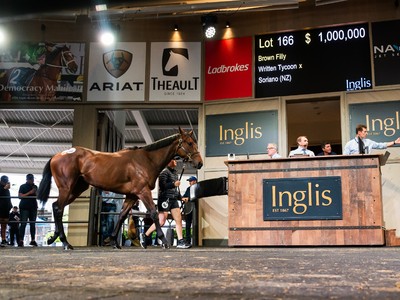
(68,59)
(187,149)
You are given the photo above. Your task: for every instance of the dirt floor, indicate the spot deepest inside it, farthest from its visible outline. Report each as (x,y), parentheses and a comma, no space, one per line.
(200,273)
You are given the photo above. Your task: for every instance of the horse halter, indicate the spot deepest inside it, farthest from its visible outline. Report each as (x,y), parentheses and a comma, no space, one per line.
(64,61)
(188,153)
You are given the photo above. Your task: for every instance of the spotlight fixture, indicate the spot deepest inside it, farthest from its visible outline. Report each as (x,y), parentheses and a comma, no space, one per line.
(227,25)
(3,37)
(108,33)
(209,22)
(176,27)
(107,38)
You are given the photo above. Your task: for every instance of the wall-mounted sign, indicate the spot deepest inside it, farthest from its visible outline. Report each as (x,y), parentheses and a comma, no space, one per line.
(228,68)
(42,72)
(241,133)
(175,71)
(314,198)
(117,72)
(386,49)
(382,119)
(313,61)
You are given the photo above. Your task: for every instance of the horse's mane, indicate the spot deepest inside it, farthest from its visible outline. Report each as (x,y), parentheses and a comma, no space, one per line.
(158,144)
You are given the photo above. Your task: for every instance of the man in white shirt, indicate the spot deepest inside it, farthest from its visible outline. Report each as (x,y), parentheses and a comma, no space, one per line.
(272,151)
(302,142)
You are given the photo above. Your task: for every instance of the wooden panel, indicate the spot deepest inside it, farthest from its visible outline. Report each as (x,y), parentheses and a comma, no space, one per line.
(362,222)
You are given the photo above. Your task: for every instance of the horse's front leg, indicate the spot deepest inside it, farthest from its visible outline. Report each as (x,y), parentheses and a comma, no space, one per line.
(126,207)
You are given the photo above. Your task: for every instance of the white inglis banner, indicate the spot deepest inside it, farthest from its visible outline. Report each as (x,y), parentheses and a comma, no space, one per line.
(175,71)
(117,72)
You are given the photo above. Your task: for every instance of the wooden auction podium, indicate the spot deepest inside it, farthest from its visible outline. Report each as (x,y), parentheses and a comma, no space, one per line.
(263,210)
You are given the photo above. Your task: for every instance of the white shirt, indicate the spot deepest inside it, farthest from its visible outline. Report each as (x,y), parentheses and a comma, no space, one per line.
(301,151)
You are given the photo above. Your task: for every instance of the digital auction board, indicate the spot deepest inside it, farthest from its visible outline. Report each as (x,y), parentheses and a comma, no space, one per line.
(313,61)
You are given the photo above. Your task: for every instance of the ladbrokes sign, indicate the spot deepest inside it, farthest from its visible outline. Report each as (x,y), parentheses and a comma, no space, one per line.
(302,198)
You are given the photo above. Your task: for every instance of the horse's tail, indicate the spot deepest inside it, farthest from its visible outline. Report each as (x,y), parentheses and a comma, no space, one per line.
(45,185)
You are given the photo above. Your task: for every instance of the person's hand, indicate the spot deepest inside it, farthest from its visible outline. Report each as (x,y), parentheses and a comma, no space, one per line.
(7,186)
(397,141)
(177,183)
(185,199)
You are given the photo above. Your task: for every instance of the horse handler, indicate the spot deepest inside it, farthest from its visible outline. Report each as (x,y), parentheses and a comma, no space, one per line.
(168,194)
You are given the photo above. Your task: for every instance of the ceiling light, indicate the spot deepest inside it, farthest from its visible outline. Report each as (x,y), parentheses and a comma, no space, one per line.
(208,23)
(176,27)
(101,7)
(228,25)
(107,38)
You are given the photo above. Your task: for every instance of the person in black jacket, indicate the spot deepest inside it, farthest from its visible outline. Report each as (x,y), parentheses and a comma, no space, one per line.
(188,212)
(14,225)
(5,207)
(28,208)
(168,194)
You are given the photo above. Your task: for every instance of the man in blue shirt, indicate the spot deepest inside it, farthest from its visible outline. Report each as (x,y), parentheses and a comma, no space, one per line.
(361,145)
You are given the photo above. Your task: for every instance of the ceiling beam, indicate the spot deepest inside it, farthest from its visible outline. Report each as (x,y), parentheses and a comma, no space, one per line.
(143,126)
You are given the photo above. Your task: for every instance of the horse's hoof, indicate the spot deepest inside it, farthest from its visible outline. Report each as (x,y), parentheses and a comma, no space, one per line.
(116,246)
(68,247)
(166,246)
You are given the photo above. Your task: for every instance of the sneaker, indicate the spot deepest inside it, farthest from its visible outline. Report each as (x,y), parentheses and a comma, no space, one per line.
(3,243)
(33,243)
(142,238)
(20,244)
(183,245)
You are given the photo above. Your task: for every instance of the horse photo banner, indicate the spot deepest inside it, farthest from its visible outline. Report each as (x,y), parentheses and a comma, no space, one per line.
(42,72)
(241,133)
(175,71)
(117,72)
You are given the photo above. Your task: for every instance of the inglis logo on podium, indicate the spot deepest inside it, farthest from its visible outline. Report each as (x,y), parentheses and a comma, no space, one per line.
(302,198)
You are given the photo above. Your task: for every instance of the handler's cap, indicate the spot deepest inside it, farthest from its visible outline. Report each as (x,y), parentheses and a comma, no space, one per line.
(29,177)
(192,178)
(4,179)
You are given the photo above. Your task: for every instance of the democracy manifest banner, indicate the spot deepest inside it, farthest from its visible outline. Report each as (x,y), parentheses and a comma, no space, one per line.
(42,72)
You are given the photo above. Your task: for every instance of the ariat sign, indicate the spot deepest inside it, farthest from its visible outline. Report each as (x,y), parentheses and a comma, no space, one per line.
(117,73)
(303,198)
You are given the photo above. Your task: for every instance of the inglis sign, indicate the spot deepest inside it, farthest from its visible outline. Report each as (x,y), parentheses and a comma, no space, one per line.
(317,198)
(241,133)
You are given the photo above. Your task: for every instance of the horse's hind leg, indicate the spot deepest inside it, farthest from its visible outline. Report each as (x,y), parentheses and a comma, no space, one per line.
(59,227)
(64,199)
(126,207)
(56,213)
